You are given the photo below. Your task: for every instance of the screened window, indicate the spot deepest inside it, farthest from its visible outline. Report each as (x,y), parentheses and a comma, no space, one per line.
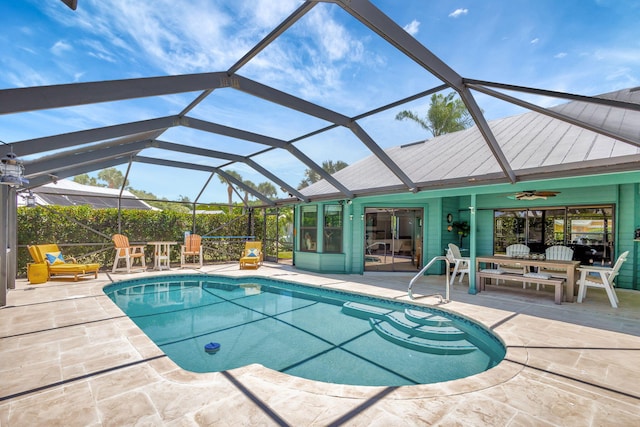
(332,228)
(308,228)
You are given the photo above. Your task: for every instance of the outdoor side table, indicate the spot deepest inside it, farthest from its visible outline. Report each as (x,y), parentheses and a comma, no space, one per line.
(162,254)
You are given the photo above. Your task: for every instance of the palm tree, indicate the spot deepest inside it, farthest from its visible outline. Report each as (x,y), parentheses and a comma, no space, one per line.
(113,177)
(328,166)
(230,186)
(85,179)
(268,189)
(445,115)
(249,184)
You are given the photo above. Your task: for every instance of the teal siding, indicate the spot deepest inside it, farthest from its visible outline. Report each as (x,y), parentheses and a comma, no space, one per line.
(321,263)
(356,242)
(432,230)
(628,220)
(484,232)
(450,205)
(621,190)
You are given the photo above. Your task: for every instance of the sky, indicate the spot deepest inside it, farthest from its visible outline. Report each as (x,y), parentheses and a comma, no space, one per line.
(585,47)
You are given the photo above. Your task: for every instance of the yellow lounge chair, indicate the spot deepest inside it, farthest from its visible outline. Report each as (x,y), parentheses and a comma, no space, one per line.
(58,265)
(251,255)
(192,248)
(128,253)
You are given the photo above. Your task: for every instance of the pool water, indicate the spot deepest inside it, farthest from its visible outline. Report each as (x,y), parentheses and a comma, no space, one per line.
(319,334)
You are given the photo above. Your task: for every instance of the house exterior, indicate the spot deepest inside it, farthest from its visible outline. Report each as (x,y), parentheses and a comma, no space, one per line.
(65,192)
(575,187)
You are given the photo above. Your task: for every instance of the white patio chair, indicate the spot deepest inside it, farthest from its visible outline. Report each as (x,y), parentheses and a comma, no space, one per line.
(604,279)
(556,253)
(515,251)
(461,264)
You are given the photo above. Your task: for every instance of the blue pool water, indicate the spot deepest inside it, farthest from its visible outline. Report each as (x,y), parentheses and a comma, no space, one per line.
(319,334)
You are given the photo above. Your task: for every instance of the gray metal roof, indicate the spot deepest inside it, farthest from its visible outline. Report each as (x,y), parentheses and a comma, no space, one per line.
(69,193)
(492,153)
(535,145)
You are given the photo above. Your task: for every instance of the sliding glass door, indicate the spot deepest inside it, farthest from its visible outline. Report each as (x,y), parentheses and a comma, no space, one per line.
(588,230)
(392,239)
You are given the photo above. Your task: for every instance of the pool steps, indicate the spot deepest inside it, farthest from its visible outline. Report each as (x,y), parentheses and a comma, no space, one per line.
(413,329)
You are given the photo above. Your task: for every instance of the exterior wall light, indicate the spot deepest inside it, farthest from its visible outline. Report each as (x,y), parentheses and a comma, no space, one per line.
(30,200)
(12,170)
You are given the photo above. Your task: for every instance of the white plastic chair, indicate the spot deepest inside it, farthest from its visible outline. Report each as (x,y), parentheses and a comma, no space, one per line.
(462,264)
(557,253)
(604,279)
(513,251)
(517,250)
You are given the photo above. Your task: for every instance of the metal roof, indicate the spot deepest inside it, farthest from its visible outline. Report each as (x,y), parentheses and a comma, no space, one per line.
(70,193)
(535,145)
(491,152)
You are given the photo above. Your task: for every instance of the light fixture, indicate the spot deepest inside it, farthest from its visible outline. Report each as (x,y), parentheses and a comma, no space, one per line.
(30,200)
(12,170)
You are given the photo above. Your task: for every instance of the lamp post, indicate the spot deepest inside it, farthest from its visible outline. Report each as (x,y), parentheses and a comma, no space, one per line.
(11,177)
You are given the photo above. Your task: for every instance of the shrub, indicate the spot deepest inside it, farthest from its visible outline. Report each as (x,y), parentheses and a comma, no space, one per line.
(85,233)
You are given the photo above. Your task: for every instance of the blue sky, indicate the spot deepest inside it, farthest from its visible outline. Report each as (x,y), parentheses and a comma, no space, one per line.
(578,46)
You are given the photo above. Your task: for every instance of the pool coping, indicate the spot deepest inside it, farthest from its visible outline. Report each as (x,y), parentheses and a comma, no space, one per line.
(513,362)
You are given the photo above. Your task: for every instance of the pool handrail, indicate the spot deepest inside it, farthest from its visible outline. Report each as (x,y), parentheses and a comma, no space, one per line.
(424,269)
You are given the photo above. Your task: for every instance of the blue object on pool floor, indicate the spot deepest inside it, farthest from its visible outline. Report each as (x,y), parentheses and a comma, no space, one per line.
(212,347)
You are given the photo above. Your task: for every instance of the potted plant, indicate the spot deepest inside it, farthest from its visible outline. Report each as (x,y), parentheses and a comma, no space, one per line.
(462,228)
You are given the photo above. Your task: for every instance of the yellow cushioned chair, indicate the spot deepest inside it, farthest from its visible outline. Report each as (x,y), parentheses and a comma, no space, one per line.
(251,255)
(58,265)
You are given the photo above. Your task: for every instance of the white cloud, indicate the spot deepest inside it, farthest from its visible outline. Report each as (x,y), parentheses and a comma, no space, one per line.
(458,12)
(412,27)
(60,47)
(335,41)
(560,55)
(616,55)
(269,13)
(174,39)
(535,41)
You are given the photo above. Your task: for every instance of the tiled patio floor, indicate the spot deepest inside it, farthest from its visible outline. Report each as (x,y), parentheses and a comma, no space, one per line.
(69,357)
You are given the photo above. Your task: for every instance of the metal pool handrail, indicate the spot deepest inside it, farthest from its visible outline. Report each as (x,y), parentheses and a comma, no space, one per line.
(426,267)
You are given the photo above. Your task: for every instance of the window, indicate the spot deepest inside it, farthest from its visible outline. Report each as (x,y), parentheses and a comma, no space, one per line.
(308,228)
(509,229)
(588,230)
(332,228)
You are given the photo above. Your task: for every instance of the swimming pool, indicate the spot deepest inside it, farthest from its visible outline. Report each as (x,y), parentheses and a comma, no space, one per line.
(319,334)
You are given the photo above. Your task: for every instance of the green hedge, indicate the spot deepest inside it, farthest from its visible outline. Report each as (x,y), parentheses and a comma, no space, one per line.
(64,226)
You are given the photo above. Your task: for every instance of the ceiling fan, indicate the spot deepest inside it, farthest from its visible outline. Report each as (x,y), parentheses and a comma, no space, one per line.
(533,194)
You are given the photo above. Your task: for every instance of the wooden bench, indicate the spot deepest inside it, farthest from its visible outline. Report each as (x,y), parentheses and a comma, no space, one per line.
(554,281)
